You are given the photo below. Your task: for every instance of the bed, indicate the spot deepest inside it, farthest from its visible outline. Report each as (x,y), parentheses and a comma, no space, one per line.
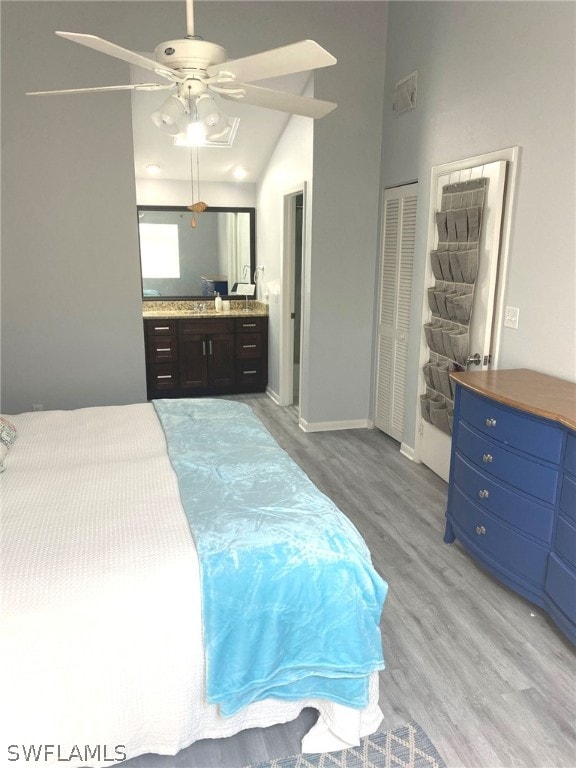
(124,529)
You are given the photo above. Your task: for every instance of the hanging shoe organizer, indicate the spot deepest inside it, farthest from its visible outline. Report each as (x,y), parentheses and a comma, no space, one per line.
(455,267)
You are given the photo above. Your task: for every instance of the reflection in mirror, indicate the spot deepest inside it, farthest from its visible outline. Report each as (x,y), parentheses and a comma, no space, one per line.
(179,262)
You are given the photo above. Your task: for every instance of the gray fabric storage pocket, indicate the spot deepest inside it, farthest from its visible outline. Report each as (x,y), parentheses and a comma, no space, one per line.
(474,219)
(428,333)
(461,216)
(435,376)
(435,264)
(450,413)
(432,301)
(447,343)
(427,370)
(459,341)
(441,226)
(468,265)
(455,267)
(439,416)
(444,380)
(444,257)
(440,298)
(425,403)
(463,307)
(450,308)
(438,340)
(451,226)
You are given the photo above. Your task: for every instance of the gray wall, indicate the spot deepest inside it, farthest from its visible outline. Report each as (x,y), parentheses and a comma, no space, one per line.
(491,76)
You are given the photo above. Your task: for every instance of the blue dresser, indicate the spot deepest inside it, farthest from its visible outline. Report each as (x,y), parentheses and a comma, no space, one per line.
(512,486)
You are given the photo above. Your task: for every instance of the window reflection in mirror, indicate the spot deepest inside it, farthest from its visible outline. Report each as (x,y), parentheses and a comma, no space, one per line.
(179,261)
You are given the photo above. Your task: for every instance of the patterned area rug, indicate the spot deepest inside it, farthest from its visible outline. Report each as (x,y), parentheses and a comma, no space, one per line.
(406,747)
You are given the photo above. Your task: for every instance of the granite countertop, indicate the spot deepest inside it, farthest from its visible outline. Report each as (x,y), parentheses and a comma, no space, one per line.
(156,309)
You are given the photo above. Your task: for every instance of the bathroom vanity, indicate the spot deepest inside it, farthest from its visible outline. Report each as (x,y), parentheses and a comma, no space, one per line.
(191,350)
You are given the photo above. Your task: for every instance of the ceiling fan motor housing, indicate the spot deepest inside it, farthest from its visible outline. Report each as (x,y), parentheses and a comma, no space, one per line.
(189,54)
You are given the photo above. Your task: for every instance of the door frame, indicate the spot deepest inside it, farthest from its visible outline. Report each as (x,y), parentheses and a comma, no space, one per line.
(286,356)
(511,156)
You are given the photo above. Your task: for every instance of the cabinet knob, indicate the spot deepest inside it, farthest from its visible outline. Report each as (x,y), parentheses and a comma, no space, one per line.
(490,422)
(480,530)
(487,458)
(483,494)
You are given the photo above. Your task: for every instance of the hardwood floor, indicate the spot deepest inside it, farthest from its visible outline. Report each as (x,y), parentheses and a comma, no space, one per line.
(485,673)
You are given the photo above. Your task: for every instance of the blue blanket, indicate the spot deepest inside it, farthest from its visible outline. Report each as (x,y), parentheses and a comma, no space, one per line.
(291,602)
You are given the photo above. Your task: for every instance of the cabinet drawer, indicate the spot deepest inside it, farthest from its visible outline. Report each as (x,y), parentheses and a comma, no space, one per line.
(561,586)
(570,458)
(249,324)
(248,345)
(163,376)
(568,497)
(204,325)
(250,372)
(520,511)
(161,327)
(565,541)
(529,476)
(162,349)
(516,429)
(509,550)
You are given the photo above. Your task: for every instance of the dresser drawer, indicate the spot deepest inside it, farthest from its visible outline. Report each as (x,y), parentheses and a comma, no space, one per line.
(516,429)
(568,497)
(163,376)
(565,540)
(508,550)
(533,478)
(561,586)
(161,327)
(520,511)
(248,345)
(162,349)
(249,324)
(570,458)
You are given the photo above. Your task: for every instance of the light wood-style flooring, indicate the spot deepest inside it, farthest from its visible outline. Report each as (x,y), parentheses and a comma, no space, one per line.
(486,674)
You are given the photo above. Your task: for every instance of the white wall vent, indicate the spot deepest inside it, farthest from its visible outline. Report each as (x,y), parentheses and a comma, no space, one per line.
(405,94)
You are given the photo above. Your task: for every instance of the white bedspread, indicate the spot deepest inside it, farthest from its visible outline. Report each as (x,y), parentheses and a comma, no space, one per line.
(101,642)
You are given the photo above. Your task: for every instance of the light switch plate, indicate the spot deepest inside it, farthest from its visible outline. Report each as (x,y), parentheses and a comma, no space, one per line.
(511,317)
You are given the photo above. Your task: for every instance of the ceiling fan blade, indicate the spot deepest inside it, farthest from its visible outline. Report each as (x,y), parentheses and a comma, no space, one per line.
(284,102)
(104,46)
(297,57)
(133,87)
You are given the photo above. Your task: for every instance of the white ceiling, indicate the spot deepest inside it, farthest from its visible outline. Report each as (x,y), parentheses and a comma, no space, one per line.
(257,134)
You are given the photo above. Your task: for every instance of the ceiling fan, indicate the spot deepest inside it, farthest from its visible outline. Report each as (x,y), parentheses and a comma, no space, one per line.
(194,67)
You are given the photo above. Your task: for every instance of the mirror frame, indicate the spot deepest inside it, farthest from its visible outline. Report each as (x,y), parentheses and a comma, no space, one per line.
(209,209)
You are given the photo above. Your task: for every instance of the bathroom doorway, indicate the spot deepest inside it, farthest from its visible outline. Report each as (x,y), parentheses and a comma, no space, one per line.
(291,310)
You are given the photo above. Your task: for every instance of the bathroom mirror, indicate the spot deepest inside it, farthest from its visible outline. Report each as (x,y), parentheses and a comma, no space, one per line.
(179,261)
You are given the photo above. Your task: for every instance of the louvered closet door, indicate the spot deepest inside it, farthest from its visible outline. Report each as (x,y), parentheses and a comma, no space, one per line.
(399,228)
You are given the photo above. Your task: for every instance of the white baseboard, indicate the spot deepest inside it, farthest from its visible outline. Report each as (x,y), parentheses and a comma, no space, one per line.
(408,451)
(326,426)
(272,395)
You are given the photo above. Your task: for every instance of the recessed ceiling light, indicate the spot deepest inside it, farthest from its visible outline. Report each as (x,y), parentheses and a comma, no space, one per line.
(153,169)
(239,172)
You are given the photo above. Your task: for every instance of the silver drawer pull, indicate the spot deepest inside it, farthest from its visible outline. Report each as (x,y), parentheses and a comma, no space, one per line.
(248,346)
(248,325)
(487,459)
(204,349)
(246,373)
(490,422)
(480,530)
(161,327)
(165,376)
(483,494)
(163,349)
(210,345)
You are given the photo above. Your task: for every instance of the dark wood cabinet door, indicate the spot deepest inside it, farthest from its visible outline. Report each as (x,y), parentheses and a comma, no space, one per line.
(221,360)
(193,355)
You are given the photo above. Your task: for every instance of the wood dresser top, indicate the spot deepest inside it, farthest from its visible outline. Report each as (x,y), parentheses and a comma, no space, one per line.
(527,390)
